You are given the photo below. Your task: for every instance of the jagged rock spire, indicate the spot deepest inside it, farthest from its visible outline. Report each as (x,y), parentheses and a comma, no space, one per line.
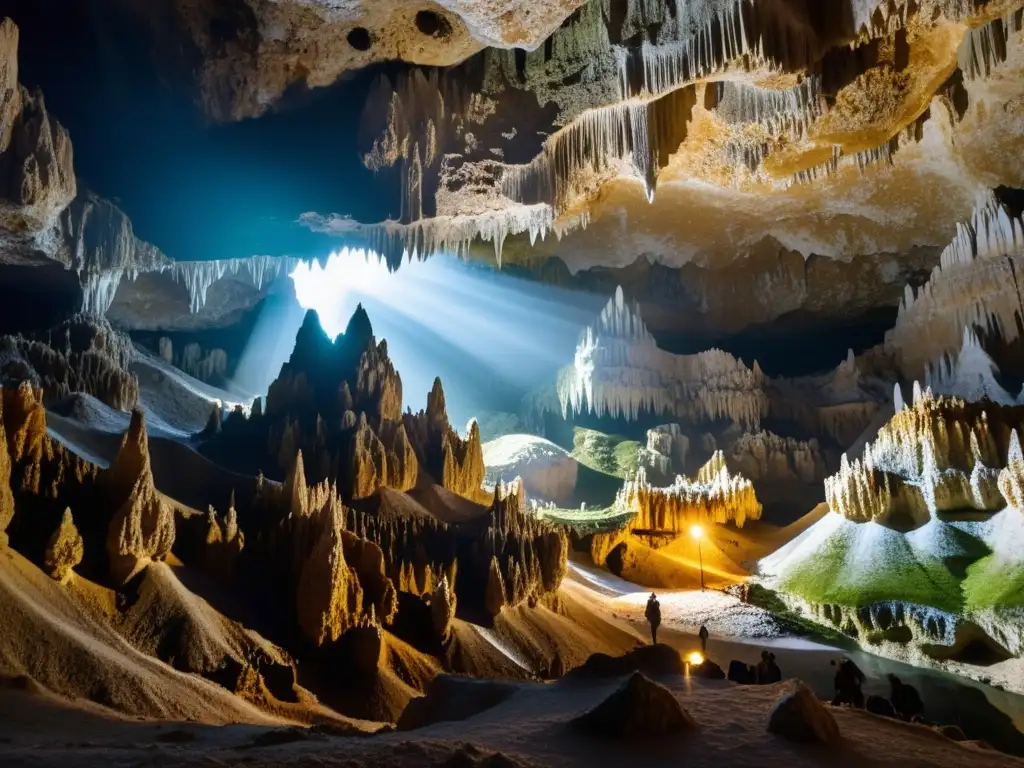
(143,526)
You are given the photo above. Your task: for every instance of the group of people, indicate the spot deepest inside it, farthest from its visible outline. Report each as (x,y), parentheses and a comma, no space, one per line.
(765,672)
(905,700)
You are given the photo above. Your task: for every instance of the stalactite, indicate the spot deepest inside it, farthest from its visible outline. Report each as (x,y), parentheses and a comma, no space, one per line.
(974,286)
(618,370)
(714,497)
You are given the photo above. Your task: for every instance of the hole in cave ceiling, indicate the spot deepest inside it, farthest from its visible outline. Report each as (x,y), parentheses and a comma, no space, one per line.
(360,39)
(433,24)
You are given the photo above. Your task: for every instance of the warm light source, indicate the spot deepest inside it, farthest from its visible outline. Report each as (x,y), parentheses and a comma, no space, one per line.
(695,659)
(696,532)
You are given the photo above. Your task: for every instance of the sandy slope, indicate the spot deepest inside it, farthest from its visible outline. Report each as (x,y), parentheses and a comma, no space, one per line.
(531,728)
(71,650)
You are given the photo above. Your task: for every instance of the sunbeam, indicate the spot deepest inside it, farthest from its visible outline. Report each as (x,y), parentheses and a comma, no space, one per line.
(490,336)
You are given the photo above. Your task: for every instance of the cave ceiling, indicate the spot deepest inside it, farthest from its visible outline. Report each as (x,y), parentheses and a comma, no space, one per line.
(729,162)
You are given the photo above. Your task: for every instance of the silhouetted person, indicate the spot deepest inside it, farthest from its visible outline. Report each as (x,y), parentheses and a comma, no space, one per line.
(703,634)
(774,673)
(848,682)
(761,670)
(905,698)
(653,614)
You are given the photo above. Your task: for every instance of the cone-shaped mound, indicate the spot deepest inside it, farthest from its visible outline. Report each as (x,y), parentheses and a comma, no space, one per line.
(449,697)
(640,709)
(799,716)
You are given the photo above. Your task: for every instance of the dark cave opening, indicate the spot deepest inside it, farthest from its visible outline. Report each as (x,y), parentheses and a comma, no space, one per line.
(360,39)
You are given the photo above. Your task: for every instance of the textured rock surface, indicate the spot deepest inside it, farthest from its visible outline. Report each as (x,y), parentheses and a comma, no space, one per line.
(937,454)
(65,549)
(82,354)
(974,286)
(891,106)
(640,710)
(142,528)
(620,371)
(664,457)
(547,471)
(249,55)
(799,716)
(37,177)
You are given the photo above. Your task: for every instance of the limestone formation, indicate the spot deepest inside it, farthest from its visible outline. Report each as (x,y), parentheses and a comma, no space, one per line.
(837,405)
(665,454)
(974,286)
(249,57)
(766,456)
(442,609)
(799,716)
(714,497)
(939,454)
(639,710)
(619,371)
(82,354)
(65,549)
(546,470)
(1011,477)
(971,375)
(6,495)
(329,595)
(142,527)
(494,595)
(36,162)
(650,95)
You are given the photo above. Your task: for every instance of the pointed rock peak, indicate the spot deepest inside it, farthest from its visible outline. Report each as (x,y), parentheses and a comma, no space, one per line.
(359,328)
(435,400)
(1014,455)
(897,398)
(295,486)
(851,361)
(309,342)
(620,298)
(917,392)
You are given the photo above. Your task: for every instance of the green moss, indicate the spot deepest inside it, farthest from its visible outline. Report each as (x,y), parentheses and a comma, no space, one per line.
(994,582)
(858,566)
(610,454)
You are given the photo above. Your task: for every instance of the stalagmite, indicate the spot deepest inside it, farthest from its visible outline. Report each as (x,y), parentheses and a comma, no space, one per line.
(442,609)
(1011,477)
(83,354)
(329,598)
(142,528)
(65,549)
(714,497)
(941,454)
(619,371)
(970,376)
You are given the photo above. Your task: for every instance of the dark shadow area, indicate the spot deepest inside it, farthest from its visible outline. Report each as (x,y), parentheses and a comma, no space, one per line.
(141,140)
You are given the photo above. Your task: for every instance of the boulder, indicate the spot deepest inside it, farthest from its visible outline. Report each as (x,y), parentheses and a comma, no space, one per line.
(799,716)
(652,660)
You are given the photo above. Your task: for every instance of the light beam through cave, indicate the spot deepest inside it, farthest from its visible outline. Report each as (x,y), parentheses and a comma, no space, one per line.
(490,336)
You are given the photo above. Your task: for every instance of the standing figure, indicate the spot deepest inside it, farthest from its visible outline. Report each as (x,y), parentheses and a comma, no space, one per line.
(653,614)
(703,634)
(848,681)
(905,699)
